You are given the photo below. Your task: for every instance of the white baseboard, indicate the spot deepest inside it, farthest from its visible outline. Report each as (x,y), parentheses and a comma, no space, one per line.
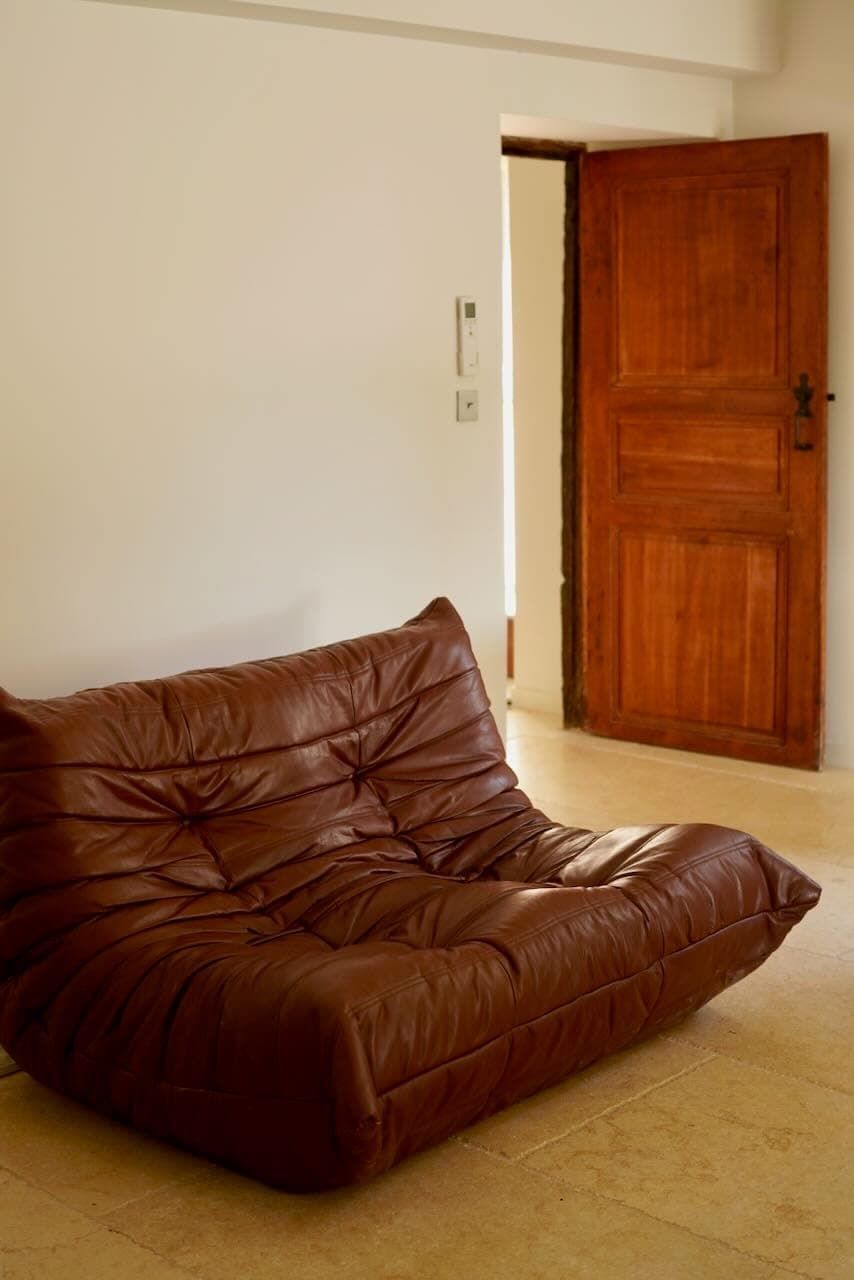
(537,699)
(839,755)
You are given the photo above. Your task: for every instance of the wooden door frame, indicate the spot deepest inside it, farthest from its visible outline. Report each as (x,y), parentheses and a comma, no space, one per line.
(572,691)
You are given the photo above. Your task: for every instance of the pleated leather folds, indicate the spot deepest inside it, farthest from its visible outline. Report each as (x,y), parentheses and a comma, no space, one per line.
(296,915)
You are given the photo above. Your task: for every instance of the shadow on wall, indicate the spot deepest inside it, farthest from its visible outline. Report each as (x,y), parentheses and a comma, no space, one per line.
(267,636)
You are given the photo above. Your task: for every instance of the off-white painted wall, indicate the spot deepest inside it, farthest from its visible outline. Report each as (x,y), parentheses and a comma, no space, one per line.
(229,252)
(815,92)
(537,202)
(729,36)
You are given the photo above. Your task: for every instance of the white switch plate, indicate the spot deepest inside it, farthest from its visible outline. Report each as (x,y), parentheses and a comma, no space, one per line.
(466,406)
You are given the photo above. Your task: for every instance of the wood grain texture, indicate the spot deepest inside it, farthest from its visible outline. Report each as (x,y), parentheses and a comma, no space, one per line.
(717,459)
(571,549)
(707,250)
(541,148)
(692,611)
(703,297)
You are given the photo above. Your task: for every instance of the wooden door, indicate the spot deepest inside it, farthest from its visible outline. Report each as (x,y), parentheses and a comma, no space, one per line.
(703,299)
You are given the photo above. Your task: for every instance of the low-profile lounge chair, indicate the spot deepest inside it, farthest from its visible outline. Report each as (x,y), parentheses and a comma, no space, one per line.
(296,916)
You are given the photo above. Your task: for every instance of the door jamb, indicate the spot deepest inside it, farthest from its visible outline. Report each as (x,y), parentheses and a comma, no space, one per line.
(571,527)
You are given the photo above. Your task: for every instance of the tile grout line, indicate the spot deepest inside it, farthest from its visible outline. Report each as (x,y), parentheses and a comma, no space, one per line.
(95,1223)
(679,1226)
(187,1269)
(556,1181)
(757,1066)
(710,1056)
(28,1250)
(143,1195)
(97,1217)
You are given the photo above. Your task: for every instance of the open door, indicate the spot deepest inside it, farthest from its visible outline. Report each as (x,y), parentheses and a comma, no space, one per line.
(703,301)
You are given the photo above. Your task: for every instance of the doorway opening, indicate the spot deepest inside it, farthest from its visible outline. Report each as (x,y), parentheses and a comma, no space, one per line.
(541,543)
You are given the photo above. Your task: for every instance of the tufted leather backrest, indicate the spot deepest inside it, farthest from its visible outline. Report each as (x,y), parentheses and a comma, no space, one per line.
(226,790)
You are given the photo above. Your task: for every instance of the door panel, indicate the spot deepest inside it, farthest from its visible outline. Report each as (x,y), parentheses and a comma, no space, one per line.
(709,611)
(708,250)
(703,298)
(671,456)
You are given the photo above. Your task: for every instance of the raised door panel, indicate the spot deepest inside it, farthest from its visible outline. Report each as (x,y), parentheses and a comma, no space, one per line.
(714,249)
(670,455)
(699,633)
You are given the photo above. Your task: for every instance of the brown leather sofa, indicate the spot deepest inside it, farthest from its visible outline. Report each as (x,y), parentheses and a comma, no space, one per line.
(295,915)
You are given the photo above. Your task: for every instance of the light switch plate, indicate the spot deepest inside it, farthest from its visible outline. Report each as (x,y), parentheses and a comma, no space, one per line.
(467,406)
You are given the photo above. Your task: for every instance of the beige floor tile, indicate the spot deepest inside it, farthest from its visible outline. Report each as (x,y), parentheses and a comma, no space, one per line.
(606,1084)
(795,1015)
(844,859)
(83,1159)
(590,782)
(797,823)
(453,1212)
(828,929)
(732,1152)
(43,1240)
(540,724)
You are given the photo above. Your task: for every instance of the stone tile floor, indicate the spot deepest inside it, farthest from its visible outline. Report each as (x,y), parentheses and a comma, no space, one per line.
(722,1149)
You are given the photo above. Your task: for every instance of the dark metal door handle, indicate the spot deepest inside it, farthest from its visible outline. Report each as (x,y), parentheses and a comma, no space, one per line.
(803,393)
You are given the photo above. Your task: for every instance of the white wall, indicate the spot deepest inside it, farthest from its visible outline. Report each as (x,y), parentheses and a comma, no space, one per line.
(815,92)
(537,201)
(229,252)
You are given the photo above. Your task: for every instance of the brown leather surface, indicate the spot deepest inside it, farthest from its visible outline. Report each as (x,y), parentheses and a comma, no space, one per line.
(296,916)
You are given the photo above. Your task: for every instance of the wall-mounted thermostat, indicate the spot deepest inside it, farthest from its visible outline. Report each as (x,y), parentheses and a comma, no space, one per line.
(468,357)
